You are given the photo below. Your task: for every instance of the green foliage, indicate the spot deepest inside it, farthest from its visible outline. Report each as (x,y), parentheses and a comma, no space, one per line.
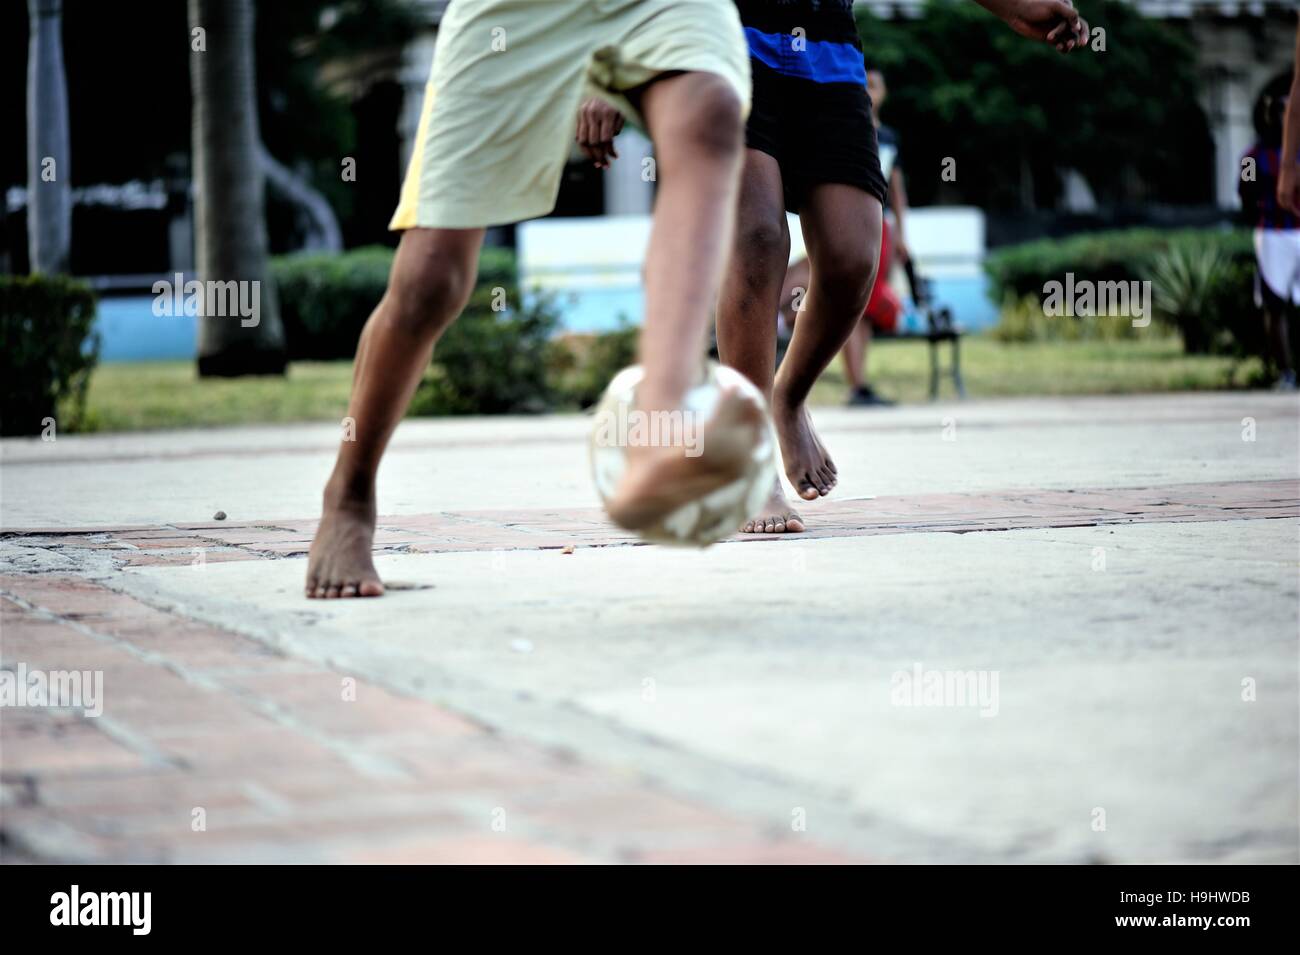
(1012,111)
(492,362)
(326,298)
(582,365)
(1023,320)
(1202,284)
(47,351)
(1119,255)
(1189,279)
(313,58)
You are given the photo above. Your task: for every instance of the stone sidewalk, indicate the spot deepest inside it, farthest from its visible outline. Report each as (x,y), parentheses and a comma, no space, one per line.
(536,689)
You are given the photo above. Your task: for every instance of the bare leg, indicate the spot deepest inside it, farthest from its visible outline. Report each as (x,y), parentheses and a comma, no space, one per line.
(1275,326)
(841,227)
(432,277)
(751,295)
(854,354)
(695,122)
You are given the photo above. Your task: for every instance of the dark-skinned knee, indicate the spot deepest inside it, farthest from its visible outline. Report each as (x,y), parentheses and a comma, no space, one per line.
(847,275)
(424,301)
(763,245)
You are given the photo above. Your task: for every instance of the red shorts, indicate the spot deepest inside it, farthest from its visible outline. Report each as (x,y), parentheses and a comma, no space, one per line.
(884,307)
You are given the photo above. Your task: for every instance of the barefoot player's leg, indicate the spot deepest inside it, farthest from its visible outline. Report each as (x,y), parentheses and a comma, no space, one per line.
(841,225)
(751,296)
(432,276)
(695,122)
(854,354)
(491,148)
(813,114)
(681,71)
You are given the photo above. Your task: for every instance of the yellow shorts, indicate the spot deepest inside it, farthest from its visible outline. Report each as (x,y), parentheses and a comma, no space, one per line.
(501,108)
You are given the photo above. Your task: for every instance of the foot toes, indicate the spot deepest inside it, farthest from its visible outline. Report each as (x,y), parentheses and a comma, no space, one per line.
(333,592)
(371,588)
(793,525)
(778,526)
(348,590)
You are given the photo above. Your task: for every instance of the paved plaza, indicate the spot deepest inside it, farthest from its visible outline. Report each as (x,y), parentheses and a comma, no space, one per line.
(1058,630)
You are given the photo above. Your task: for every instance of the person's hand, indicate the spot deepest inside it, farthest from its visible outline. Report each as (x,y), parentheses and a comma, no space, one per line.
(1052,21)
(598,124)
(1288,188)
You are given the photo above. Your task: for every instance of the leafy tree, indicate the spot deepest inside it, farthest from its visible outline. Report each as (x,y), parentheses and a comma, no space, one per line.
(1013,113)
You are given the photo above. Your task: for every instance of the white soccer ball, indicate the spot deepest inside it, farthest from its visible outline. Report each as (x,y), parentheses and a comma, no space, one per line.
(619,425)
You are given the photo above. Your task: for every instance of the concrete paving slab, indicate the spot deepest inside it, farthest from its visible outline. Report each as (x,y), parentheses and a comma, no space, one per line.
(1047,630)
(1117,690)
(527,463)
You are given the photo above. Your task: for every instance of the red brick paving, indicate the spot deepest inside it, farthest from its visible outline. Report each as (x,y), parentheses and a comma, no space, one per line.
(287,769)
(546,529)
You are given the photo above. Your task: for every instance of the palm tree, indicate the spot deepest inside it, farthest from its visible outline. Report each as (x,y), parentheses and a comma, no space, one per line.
(229,186)
(49,189)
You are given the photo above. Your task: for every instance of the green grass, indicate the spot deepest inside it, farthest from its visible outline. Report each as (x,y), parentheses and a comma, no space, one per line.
(147,395)
(134,396)
(991,369)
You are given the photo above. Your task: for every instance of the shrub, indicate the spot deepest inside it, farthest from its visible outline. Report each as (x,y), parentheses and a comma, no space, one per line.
(48,348)
(1023,320)
(492,362)
(1201,283)
(582,365)
(1188,281)
(1114,256)
(325,298)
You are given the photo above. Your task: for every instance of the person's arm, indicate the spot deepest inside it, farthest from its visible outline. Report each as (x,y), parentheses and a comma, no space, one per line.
(1288,183)
(1052,21)
(598,124)
(898,204)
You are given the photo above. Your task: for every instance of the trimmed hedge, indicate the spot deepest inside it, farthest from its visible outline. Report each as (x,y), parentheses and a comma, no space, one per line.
(1202,283)
(48,348)
(493,360)
(325,298)
(1119,255)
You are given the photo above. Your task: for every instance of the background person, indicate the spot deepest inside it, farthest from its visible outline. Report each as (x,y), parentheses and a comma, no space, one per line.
(1276,227)
(884,308)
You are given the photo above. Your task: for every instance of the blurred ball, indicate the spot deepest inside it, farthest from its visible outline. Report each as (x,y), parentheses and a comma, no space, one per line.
(718,514)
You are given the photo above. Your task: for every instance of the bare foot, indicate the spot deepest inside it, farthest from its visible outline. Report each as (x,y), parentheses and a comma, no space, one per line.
(659,480)
(807,464)
(776,517)
(340,564)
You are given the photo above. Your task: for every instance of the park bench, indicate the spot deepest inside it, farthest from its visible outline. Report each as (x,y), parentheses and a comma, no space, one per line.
(939,328)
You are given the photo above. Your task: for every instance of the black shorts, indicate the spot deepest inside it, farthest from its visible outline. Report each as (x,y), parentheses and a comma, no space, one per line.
(817,131)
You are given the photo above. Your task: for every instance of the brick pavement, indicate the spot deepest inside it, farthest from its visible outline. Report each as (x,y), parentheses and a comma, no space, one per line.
(286,760)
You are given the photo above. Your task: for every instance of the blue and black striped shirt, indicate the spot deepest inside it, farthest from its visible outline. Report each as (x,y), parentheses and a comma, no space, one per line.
(815,40)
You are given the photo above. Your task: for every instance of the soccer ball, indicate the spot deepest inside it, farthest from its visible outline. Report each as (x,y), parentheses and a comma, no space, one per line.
(619,424)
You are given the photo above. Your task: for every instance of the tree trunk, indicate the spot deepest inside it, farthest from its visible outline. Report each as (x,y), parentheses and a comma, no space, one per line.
(49,188)
(229,186)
